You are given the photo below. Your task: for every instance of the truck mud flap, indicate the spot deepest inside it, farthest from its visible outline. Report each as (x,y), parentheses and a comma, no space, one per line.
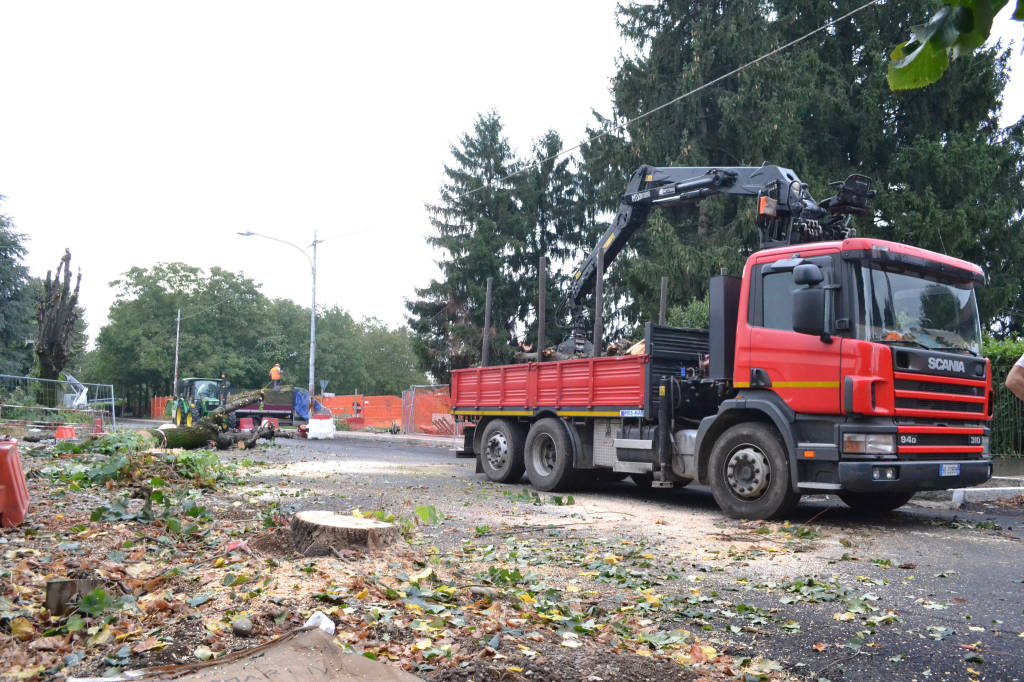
(466,451)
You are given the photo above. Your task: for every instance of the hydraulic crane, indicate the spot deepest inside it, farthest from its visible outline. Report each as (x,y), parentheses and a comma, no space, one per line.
(787,214)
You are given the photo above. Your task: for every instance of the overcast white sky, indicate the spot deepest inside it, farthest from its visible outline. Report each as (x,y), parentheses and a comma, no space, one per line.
(140,132)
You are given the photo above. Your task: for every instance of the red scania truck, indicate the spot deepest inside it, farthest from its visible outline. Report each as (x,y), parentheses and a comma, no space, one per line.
(835,364)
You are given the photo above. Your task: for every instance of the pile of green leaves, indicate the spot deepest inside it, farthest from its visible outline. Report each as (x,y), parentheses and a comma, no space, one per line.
(179,511)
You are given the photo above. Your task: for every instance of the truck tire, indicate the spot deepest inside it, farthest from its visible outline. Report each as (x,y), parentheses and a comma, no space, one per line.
(501,451)
(875,502)
(549,456)
(749,473)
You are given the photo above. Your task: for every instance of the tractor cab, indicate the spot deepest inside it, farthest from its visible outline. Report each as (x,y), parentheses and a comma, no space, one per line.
(198,398)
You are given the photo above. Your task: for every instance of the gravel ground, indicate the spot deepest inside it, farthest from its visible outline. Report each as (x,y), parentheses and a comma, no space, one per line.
(917,594)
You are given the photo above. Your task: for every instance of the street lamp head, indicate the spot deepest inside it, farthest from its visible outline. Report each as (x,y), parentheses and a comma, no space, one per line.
(250,233)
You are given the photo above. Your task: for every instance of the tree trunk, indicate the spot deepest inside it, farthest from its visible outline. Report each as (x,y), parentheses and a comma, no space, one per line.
(237,403)
(56,315)
(322,533)
(211,429)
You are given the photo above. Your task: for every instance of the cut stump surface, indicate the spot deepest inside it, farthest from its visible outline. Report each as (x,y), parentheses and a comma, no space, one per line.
(322,533)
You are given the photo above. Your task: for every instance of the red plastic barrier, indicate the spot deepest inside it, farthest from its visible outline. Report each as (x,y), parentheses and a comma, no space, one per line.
(65,432)
(245,424)
(272,420)
(13,491)
(99,426)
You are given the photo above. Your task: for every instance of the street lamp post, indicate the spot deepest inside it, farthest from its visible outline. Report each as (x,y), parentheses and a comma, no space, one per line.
(312,312)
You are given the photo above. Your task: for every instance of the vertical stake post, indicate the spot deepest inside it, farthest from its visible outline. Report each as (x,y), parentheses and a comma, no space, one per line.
(599,304)
(485,350)
(542,305)
(663,305)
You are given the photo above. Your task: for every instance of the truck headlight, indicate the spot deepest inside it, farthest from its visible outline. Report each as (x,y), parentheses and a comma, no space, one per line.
(869,443)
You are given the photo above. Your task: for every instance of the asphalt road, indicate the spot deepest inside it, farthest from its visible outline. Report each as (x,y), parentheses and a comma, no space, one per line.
(917,594)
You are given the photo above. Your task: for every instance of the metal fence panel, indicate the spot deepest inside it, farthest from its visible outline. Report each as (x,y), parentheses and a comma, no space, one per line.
(1007,417)
(49,403)
(427,410)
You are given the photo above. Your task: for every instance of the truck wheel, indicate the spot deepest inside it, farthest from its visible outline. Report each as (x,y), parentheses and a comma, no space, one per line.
(501,451)
(875,502)
(749,473)
(549,456)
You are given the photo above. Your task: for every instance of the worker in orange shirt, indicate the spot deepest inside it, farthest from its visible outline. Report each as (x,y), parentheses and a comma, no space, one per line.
(275,377)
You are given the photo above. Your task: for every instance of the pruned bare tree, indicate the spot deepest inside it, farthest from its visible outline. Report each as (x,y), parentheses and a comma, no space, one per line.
(56,315)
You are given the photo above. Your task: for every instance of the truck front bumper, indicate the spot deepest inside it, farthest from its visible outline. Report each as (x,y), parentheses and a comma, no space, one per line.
(858,476)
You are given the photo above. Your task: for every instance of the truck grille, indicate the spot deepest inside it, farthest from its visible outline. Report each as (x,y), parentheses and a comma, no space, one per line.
(939,417)
(939,398)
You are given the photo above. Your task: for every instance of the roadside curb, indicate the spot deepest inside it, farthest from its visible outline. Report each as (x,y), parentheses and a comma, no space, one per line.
(445,442)
(962,495)
(998,488)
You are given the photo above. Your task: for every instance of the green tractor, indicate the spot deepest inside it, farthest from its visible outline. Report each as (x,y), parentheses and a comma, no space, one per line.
(199,397)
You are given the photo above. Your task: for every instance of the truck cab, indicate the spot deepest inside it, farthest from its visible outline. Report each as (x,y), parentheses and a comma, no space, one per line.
(865,355)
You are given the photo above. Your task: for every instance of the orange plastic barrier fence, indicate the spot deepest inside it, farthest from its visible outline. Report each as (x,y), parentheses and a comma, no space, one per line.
(377,411)
(381,411)
(157,406)
(13,490)
(343,405)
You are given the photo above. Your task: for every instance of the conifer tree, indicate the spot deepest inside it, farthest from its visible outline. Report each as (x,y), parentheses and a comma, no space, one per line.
(479,228)
(948,178)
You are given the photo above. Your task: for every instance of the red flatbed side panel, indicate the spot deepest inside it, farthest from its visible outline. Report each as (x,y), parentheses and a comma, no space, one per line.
(613,381)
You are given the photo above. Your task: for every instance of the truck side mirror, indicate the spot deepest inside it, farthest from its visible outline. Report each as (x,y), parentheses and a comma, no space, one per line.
(809,302)
(809,311)
(807,274)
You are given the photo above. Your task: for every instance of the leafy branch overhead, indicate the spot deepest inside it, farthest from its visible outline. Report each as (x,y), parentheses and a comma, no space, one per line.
(954,30)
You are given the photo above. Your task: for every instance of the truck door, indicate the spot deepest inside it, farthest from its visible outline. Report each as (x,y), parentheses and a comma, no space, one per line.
(802,369)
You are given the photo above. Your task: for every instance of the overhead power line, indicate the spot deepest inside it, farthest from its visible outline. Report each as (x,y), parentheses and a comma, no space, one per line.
(704,86)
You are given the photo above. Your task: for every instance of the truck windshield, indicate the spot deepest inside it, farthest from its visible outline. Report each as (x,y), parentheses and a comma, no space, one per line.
(905,308)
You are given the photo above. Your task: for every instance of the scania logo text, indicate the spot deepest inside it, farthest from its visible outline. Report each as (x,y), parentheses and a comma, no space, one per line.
(946,365)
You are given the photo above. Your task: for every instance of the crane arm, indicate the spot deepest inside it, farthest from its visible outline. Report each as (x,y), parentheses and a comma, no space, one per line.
(651,187)
(786,214)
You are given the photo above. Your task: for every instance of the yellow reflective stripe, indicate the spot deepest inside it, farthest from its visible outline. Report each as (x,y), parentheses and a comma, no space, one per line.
(792,384)
(610,240)
(527,413)
(805,384)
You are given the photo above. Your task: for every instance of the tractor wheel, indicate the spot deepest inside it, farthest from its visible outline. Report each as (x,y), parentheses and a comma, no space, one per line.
(179,415)
(749,473)
(501,455)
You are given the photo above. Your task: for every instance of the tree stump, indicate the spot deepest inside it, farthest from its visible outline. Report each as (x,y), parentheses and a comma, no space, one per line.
(323,533)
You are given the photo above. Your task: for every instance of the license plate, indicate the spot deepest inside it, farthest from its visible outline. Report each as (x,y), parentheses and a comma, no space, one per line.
(949,470)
